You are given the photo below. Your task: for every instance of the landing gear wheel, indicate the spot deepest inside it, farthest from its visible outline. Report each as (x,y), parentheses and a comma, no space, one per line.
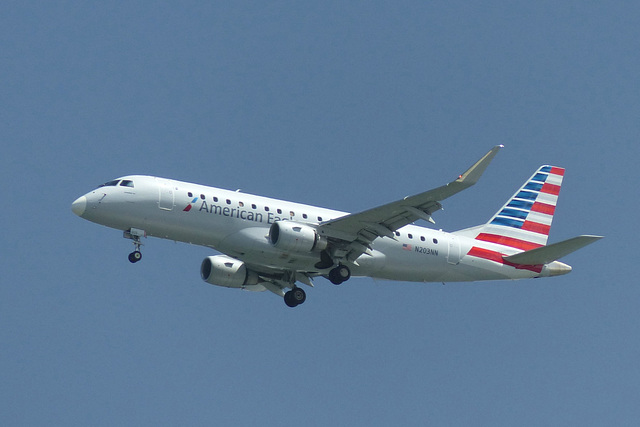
(135,256)
(288,299)
(339,274)
(135,234)
(299,295)
(295,297)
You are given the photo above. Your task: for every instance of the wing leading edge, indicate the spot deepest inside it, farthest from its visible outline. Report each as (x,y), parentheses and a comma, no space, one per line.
(352,235)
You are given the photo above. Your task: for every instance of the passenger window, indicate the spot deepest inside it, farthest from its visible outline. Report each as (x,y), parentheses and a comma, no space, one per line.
(215,199)
(435,241)
(241,204)
(202,196)
(320,218)
(291,213)
(190,194)
(253,206)
(397,233)
(422,238)
(228,201)
(279,211)
(410,236)
(266,208)
(304,216)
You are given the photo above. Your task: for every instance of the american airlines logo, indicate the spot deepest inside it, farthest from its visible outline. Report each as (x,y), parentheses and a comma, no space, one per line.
(190,205)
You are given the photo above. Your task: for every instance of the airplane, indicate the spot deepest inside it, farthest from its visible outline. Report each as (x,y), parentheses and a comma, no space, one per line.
(270,244)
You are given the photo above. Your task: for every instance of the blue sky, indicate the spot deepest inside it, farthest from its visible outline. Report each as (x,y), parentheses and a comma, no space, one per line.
(342,105)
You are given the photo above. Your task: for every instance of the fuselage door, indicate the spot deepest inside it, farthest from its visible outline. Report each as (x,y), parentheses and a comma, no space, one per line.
(166,195)
(453,256)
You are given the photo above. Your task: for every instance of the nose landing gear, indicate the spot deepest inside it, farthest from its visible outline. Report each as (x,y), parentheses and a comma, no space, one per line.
(135,234)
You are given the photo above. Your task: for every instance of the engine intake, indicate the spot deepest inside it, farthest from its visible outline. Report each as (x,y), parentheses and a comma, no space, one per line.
(221,270)
(294,237)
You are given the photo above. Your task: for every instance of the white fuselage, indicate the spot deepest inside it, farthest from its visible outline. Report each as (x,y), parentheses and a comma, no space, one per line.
(237,224)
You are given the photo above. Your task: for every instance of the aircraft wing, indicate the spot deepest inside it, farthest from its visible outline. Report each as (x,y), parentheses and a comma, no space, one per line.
(354,233)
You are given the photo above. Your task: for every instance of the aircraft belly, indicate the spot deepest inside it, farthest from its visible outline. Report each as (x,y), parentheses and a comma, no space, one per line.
(475,269)
(389,260)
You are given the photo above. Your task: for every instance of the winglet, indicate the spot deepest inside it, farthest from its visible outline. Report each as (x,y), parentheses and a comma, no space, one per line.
(473,174)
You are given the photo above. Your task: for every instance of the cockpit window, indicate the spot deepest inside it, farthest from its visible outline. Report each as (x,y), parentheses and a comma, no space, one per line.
(126,183)
(110,183)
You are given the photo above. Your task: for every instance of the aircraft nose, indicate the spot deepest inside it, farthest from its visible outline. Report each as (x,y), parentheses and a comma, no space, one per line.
(79,205)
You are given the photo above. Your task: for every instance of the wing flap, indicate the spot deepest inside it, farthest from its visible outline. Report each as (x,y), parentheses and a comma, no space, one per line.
(553,252)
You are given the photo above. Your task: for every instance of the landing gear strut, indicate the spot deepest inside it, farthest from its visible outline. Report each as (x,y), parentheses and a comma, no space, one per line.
(135,234)
(295,297)
(339,274)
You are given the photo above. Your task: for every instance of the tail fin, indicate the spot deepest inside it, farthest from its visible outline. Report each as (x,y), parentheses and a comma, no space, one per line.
(524,221)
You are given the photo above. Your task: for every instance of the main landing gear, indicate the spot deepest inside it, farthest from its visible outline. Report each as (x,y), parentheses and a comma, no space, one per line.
(295,297)
(336,275)
(135,234)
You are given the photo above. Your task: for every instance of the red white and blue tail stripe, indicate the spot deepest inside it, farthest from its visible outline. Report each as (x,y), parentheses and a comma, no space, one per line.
(525,220)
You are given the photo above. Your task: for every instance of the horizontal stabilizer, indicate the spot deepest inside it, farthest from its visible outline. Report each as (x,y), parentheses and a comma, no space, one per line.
(547,254)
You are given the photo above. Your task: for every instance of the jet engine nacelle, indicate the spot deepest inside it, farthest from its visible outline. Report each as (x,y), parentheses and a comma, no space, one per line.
(294,237)
(221,270)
